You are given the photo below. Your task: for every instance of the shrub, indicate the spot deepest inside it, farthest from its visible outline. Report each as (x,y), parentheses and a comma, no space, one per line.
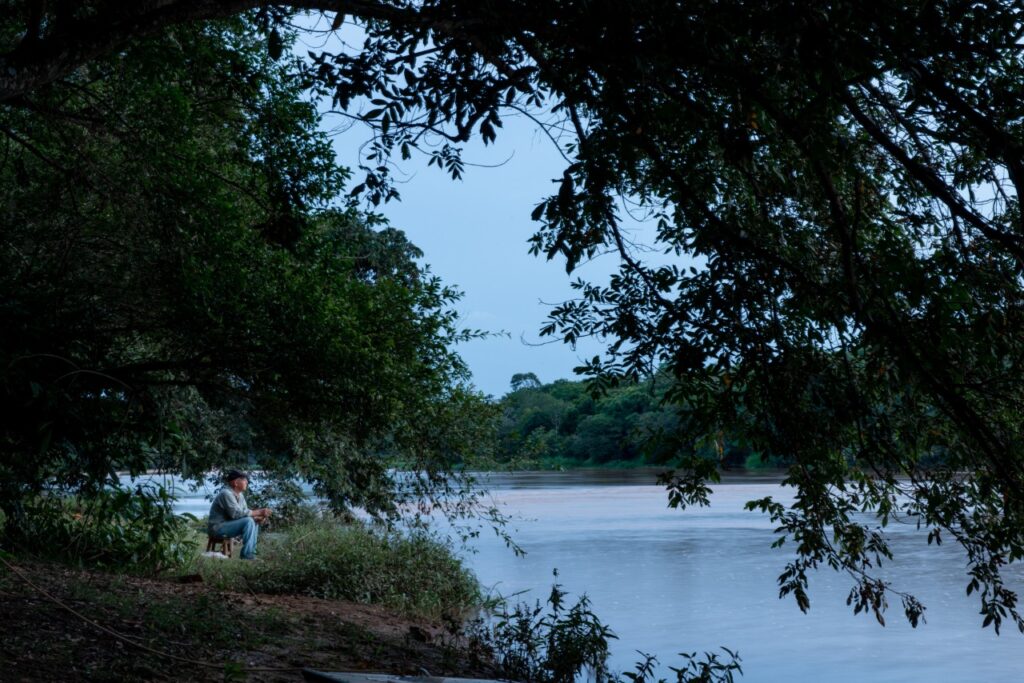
(706,669)
(556,644)
(133,530)
(412,573)
(552,646)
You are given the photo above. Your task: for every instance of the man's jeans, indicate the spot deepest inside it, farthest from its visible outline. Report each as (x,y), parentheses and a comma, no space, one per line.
(245,527)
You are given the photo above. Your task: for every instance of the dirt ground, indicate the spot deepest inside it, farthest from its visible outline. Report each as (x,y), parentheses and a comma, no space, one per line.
(232,632)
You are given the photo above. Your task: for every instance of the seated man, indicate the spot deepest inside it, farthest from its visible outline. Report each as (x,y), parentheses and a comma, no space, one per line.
(230,518)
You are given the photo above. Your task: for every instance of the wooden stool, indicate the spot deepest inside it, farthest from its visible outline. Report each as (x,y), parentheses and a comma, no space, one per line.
(226,544)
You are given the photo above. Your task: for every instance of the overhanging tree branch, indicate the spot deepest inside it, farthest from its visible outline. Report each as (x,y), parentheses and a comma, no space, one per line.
(41,59)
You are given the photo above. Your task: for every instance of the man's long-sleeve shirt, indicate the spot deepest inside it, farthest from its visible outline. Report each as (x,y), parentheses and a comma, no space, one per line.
(227,505)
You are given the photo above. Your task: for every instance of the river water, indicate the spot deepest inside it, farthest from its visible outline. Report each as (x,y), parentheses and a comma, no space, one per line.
(669,581)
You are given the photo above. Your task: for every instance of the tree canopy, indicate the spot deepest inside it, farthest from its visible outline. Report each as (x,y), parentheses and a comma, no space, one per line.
(567,424)
(182,288)
(844,178)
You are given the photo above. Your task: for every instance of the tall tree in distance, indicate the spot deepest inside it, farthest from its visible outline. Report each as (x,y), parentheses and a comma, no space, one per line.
(524,380)
(846,178)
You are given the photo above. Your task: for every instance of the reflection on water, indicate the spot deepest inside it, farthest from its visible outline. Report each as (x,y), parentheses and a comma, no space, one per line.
(669,581)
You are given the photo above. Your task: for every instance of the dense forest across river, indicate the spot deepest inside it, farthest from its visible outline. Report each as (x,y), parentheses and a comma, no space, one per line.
(567,423)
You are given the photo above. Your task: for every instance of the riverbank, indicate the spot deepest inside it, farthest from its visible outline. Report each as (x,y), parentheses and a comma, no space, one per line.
(230,631)
(563,464)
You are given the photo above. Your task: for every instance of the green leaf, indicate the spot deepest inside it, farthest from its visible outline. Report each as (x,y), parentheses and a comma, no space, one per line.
(275,45)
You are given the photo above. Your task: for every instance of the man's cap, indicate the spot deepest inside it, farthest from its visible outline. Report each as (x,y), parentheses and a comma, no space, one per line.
(235,474)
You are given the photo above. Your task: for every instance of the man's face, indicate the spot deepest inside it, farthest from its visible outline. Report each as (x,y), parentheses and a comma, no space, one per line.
(240,484)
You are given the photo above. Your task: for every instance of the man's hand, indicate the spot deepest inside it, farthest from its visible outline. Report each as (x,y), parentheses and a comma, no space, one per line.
(261,515)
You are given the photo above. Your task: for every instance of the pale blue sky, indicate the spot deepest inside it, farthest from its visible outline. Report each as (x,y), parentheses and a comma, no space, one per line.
(474,234)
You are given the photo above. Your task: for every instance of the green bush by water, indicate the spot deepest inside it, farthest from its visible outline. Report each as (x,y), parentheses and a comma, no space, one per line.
(130,530)
(554,642)
(411,573)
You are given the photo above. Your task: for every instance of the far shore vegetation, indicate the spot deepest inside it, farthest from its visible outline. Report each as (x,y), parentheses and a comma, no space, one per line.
(567,424)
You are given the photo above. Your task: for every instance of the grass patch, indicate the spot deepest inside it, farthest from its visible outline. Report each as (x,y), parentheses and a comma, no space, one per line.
(212,619)
(44,642)
(411,573)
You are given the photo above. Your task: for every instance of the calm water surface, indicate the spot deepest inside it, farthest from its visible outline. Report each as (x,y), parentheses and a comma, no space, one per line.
(668,581)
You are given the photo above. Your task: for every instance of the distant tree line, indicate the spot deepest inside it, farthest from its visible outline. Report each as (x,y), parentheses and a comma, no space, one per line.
(567,424)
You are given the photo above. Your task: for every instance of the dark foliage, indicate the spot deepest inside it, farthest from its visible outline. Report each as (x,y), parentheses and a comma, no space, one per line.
(840,183)
(556,642)
(182,288)
(565,424)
